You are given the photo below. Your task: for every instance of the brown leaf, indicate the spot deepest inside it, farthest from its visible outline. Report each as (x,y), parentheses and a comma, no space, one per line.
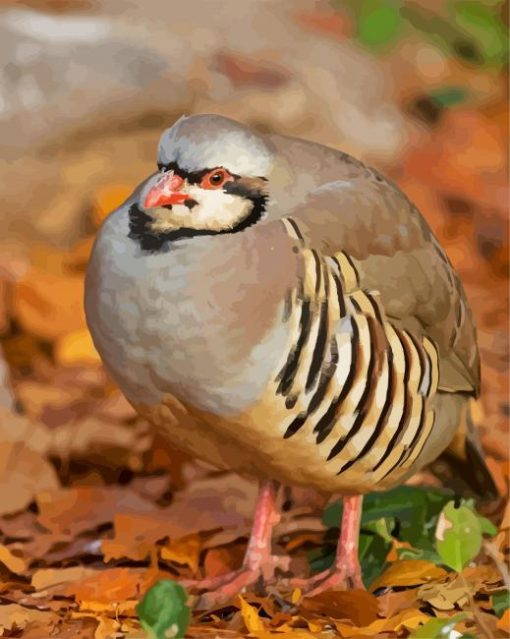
(14,617)
(50,577)
(38,303)
(446,596)
(136,533)
(360,606)
(206,505)
(247,71)
(408,620)
(409,572)
(14,563)
(23,472)
(109,198)
(252,621)
(107,628)
(76,348)
(222,560)
(36,397)
(70,511)
(504,622)
(465,156)
(184,551)
(114,585)
(392,602)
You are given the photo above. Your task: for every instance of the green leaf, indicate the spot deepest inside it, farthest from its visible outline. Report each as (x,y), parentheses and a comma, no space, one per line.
(372,553)
(379,23)
(414,509)
(501,602)
(483,25)
(447,97)
(332,516)
(437,628)
(458,536)
(486,526)
(163,612)
(411,511)
(424,554)
(373,550)
(321,558)
(381,527)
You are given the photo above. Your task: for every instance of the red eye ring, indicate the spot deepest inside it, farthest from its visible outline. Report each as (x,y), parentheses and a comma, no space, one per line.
(215,179)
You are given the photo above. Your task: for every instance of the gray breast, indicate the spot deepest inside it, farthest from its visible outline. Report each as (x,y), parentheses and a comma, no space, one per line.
(197,320)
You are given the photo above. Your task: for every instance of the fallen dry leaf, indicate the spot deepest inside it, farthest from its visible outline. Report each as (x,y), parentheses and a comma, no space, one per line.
(252,621)
(50,577)
(360,606)
(391,603)
(23,472)
(69,511)
(208,505)
(446,596)
(14,617)
(408,619)
(185,550)
(409,572)
(504,622)
(219,561)
(13,562)
(108,198)
(39,308)
(113,586)
(36,397)
(116,491)
(136,533)
(76,348)
(107,628)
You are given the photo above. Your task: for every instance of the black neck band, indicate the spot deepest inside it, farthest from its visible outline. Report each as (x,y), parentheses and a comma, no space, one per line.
(152,241)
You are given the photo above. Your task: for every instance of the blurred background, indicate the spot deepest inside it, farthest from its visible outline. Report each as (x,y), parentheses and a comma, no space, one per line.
(418,89)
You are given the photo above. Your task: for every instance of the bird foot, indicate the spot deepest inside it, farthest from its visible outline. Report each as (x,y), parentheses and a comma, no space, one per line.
(216,591)
(347,577)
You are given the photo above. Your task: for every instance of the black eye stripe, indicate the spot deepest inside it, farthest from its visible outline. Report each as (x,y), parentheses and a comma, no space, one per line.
(193,177)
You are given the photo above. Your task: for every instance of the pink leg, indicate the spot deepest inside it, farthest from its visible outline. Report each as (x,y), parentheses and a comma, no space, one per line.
(258,561)
(346,571)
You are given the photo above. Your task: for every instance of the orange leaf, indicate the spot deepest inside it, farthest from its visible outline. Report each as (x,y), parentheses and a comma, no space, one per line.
(219,561)
(76,348)
(183,551)
(359,606)
(15,564)
(408,619)
(250,615)
(108,199)
(409,572)
(49,305)
(22,473)
(49,577)
(504,622)
(114,585)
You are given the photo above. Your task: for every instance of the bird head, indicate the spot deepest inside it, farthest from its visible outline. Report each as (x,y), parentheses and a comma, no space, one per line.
(213,178)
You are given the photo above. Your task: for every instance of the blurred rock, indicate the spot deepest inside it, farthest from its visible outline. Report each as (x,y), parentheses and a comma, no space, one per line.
(84,96)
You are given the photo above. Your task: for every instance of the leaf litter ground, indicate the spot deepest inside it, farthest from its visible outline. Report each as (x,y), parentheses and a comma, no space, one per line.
(95,510)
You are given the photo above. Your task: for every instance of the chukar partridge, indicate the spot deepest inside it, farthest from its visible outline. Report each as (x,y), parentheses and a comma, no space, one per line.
(277,308)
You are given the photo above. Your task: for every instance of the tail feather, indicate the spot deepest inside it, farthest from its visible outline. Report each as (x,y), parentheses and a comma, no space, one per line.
(466,454)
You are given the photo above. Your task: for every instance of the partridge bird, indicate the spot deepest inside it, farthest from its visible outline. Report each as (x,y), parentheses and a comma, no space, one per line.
(277,308)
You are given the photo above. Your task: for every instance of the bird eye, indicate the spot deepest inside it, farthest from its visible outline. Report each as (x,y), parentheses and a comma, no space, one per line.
(216,178)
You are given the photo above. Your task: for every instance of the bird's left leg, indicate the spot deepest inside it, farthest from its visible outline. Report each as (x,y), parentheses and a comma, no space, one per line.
(345,573)
(258,561)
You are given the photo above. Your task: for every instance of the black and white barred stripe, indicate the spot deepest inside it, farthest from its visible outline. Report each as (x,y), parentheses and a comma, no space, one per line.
(354,382)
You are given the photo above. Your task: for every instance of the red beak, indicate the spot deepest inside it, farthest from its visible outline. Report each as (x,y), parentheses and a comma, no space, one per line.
(166,191)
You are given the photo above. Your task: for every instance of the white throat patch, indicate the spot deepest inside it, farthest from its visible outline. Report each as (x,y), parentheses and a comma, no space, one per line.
(215,211)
